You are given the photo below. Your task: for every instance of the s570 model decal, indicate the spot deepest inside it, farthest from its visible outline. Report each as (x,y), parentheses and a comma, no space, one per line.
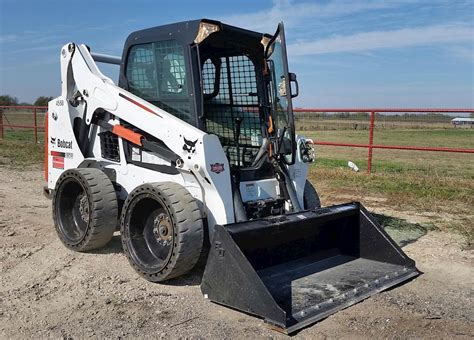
(217,168)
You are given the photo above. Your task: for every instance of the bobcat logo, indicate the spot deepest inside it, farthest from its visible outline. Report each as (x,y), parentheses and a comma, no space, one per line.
(189,146)
(53,140)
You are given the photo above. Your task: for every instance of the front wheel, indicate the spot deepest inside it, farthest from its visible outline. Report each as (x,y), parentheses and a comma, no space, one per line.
(162,230)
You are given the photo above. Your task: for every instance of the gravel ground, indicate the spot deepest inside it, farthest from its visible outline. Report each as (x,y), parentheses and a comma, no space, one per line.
(49,291)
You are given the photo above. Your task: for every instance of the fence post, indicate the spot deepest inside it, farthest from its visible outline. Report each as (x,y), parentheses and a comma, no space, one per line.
(371,142)
(1,123)
(36,126)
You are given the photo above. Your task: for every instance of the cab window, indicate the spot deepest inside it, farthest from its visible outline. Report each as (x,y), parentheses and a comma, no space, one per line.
(157,73)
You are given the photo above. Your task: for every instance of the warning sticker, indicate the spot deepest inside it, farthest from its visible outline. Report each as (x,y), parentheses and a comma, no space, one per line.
(58,162)
(251,191)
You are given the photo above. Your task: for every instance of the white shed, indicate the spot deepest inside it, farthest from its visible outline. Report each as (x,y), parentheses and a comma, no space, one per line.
(463,121)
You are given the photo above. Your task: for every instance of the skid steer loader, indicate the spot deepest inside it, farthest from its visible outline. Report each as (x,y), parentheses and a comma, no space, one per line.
(197,142)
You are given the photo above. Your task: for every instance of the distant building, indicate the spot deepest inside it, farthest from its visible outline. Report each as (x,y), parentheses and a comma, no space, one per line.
(463,122)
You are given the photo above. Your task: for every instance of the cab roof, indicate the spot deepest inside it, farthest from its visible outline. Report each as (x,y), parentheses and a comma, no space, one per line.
(185,32)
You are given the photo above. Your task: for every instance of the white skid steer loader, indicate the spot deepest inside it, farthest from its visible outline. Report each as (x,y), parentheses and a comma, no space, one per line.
(197,142)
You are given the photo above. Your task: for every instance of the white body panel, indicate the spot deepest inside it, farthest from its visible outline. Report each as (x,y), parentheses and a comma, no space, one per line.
(299,172)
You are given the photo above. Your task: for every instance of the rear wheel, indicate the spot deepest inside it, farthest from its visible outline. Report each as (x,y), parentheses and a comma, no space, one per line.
(162,230)
(84,209)
(311,197)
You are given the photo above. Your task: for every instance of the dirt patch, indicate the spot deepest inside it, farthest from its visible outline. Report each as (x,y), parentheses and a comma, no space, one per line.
(49,291)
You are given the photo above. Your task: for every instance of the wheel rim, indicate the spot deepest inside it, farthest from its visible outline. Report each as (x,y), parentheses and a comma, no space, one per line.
(73,211)
(151,233)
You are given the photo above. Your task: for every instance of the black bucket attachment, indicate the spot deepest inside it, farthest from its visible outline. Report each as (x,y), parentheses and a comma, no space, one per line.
(296,269)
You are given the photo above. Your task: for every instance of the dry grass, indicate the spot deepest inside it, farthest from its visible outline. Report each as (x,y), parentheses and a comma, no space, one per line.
(20,153)
(446,201)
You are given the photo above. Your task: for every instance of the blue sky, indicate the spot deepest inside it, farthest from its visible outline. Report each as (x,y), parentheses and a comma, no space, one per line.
(345,53)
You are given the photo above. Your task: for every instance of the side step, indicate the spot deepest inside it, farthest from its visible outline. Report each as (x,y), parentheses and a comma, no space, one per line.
(296,269)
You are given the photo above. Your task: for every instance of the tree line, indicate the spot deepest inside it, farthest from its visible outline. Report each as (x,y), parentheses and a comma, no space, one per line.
(7,100)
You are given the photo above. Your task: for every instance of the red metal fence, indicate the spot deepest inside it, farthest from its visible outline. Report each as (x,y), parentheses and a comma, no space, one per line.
(26,118)
(372,116)
(31,118)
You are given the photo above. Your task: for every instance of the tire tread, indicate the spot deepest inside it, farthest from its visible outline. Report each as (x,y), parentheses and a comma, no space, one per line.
(103,207)
(189,230)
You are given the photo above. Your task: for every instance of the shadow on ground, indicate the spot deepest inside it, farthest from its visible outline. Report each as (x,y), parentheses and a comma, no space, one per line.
(402,231)
(113,247)
(193,278)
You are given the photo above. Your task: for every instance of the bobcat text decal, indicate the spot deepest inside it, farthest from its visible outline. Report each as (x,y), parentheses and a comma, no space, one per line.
(60,143)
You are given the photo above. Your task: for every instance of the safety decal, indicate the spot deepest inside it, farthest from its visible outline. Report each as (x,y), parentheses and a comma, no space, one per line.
(58,162)
(217,168)
(58,154)
(69,155)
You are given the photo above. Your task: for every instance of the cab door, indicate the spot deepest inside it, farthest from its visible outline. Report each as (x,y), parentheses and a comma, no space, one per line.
(281,95)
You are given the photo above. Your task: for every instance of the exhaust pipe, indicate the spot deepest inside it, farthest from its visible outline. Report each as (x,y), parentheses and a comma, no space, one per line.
(105,58)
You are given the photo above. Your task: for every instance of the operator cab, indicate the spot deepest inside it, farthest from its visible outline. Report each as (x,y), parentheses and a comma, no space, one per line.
(225,80)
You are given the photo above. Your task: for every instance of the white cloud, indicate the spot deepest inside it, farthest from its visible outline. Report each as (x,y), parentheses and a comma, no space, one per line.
(8,38)
(48,47)
(375,40)
(462,52)
(293,13)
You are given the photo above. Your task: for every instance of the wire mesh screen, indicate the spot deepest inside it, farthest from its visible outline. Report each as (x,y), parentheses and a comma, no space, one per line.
(171,67)
(232,103)
(208,76)
(109,146)
(141,71)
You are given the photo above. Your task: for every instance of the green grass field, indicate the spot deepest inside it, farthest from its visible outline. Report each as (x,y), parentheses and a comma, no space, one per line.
(454,165)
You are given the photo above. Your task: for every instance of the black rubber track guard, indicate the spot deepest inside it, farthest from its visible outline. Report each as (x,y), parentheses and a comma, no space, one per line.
(296,269)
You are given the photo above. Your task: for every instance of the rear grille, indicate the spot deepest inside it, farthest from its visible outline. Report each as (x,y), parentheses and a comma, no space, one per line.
(109,146)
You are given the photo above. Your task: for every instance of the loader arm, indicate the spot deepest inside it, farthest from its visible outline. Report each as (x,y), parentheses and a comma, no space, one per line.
(85,87)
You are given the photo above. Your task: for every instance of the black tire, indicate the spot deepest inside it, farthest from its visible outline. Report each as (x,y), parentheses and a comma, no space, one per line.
(162,230)
(84,209)
(310,197)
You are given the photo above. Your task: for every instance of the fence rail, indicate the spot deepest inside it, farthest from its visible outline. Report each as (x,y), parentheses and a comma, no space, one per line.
(373,115)
(370,145)
(5,123)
